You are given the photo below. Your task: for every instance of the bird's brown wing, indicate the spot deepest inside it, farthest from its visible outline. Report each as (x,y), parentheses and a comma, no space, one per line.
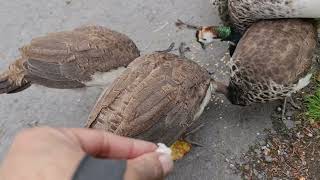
(76,55)
(155,99)
(49,75)
(278,50)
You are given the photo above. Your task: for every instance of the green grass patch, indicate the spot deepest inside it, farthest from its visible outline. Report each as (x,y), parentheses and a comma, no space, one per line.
(313,105)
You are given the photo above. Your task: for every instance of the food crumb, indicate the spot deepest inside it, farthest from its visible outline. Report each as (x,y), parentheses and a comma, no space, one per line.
(162,148)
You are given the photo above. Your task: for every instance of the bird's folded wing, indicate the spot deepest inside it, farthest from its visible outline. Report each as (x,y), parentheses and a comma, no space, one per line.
(49,74)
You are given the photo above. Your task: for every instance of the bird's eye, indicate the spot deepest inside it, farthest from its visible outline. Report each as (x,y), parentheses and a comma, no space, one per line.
(204,39)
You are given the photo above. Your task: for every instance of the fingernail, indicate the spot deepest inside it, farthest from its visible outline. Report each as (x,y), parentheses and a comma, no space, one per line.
(166,163)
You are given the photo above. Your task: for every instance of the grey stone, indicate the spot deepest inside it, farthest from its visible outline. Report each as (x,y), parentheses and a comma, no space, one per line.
(279,109)
(289,123)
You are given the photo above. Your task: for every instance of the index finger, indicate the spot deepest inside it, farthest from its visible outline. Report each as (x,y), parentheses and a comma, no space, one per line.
(107,145)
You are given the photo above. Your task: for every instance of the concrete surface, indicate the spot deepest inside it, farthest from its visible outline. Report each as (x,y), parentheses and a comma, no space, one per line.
(229,129)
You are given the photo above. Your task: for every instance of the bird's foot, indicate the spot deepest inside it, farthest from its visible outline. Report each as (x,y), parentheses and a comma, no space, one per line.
(293,104)
(188,140)
(187,135)
(170,48)
(283,116)
(284,106)
(33,124)
(183,49)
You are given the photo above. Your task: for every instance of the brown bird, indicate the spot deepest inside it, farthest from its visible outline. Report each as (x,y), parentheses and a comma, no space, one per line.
(157,98)
(83,57)
(272,61)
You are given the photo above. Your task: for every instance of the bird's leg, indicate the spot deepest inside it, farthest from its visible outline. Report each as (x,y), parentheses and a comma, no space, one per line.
(194,130)
(284,109)
(192,142)
(183,49)
(187,135)
(293,103)
(170,48)
(33,124)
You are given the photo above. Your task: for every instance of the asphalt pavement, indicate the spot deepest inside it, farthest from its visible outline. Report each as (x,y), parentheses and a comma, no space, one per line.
(228,131)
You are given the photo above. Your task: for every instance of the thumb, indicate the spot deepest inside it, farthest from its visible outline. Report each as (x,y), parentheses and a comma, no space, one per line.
(151,166)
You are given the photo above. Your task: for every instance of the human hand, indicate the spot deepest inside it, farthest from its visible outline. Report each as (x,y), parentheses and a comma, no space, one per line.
(51,154)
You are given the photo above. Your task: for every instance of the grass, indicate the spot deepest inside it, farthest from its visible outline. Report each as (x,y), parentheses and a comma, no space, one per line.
(313,105)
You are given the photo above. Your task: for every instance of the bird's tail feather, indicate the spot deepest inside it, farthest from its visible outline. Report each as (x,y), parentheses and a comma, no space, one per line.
(13,79)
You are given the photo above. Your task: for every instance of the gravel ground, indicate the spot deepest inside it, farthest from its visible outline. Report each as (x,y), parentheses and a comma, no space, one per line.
(229,129)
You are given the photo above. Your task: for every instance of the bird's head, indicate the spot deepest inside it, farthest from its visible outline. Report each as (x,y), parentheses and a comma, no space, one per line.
(206,35)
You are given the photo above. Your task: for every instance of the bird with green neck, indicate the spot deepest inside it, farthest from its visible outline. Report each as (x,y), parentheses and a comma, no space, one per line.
(223,31)
(207,35)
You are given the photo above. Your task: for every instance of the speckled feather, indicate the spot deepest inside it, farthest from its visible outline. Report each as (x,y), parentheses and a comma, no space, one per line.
(270,59)
(67,59)
(155,99)
(243,13)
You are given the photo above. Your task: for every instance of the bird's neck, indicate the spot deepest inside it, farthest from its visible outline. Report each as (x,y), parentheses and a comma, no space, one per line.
(223,31)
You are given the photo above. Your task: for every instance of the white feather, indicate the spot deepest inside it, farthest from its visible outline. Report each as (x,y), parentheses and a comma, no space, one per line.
(207,38)
(303,82)
(204,103)
(104,78)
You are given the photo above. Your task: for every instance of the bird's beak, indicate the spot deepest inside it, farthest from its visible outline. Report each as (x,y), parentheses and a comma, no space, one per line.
(203,46)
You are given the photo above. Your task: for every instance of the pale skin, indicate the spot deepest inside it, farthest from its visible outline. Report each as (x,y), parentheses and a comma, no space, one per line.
(51,154)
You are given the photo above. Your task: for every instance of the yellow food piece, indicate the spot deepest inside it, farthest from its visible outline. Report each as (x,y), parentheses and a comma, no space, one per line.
(180,149)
